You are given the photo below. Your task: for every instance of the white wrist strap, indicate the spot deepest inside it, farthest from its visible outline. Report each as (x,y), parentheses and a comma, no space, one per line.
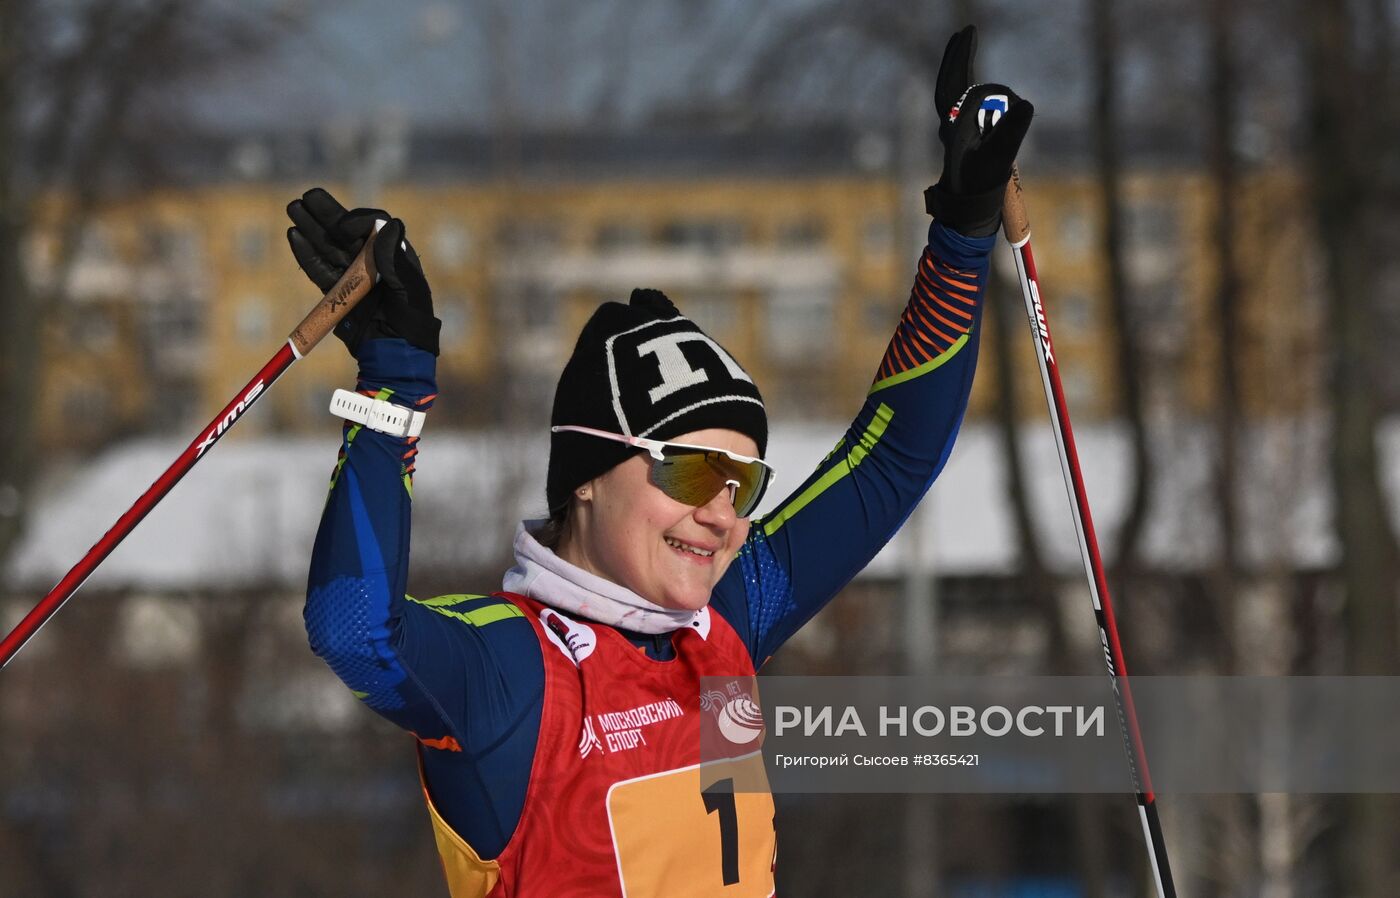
(377,414)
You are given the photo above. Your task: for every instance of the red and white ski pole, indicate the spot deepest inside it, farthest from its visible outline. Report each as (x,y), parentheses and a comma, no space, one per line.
(321,320)
(1017,228)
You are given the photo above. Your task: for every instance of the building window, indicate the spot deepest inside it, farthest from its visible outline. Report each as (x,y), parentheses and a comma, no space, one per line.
(710,234)
(172,246)
(251,321)
(619,235)
(1080,391)
(717,314)
(881,315)
(94,330)
(529,235)
(1153,222)
(877,236)
(1074,231)
(1074,313)
(95,246)
(90,406)
(174,322)
(538,308)
(1153,247)
(1159,316)
(451,244)
(38,253)
(455,312)
(802,233)
(251,244)
(799,324)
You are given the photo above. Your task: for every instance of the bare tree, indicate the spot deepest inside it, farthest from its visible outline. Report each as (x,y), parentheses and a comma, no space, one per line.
(1223,168)
(1344,140)
(86,91)
(1230,860)
(1128,370)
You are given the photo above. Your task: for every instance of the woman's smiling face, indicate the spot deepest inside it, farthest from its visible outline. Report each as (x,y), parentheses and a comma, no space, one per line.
(624,529)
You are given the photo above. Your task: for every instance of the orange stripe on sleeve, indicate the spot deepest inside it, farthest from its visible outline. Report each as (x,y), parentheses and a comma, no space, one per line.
(446,743)
(955,290)
(929,341)
(967,273)
(903,361)
(932,272)
(928,324)
(942,289)
(930,300)
(956,284)
(957,328)
(956,311)
(912,349)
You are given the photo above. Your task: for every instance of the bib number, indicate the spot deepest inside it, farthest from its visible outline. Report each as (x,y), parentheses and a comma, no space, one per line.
(673,839)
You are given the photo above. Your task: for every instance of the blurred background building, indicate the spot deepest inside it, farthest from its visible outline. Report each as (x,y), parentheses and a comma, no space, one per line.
(790,246)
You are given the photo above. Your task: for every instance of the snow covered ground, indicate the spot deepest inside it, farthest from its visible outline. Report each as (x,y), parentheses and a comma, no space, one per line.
(247,514)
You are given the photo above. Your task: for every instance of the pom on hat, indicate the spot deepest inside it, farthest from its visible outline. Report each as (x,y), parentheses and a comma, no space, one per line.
(653,301)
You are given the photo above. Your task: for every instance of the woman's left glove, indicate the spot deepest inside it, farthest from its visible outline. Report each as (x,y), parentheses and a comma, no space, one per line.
(325,238)
(981,127)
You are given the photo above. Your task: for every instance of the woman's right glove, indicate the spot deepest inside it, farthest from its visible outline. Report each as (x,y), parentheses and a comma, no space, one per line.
(981,127)
(325,239)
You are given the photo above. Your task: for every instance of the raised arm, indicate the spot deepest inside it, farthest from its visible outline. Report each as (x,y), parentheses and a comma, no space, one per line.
(450,669)
(799,557)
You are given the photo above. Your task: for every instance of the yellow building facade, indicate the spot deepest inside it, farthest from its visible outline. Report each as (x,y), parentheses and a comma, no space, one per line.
(183,294)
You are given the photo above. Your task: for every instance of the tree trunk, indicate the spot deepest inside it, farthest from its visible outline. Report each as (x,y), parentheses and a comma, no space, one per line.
(19,325)
(1127,355)
(1342,156)
(1225,180)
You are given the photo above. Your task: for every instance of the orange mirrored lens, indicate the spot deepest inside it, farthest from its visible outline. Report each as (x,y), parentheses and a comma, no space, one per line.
(697,477)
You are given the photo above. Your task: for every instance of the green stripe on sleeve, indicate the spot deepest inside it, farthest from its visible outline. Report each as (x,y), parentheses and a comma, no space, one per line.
(477,617)
(340,462)
(354,431)
(872,435)
(441,601)
(921,370)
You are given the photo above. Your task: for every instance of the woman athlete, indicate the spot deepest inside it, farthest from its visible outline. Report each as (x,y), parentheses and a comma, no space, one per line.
(557,719)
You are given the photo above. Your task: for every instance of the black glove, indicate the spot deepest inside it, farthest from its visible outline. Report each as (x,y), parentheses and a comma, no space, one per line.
(981,127)
(325,239)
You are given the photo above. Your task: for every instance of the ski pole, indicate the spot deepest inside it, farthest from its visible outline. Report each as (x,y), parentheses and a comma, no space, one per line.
(321,320)
(1017,228)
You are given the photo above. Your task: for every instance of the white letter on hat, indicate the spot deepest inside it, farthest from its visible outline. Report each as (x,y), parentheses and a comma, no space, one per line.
(676,373)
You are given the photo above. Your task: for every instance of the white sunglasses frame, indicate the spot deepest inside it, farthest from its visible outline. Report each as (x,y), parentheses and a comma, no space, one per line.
(654,449)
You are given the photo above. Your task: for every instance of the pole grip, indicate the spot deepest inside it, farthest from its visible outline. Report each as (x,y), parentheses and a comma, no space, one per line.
(1015,223)
(352,287)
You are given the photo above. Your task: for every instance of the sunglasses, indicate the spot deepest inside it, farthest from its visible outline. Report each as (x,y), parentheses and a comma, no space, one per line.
(694,475)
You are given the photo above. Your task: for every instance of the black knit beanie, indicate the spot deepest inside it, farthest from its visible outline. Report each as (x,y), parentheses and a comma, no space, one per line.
(642,369)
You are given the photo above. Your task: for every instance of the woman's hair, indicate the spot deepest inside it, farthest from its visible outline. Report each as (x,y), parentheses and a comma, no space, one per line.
(552,533)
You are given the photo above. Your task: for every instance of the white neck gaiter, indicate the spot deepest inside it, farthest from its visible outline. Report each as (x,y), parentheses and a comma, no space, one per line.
(545,577)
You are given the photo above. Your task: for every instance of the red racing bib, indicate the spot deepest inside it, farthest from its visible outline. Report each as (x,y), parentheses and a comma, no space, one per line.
(616,804)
